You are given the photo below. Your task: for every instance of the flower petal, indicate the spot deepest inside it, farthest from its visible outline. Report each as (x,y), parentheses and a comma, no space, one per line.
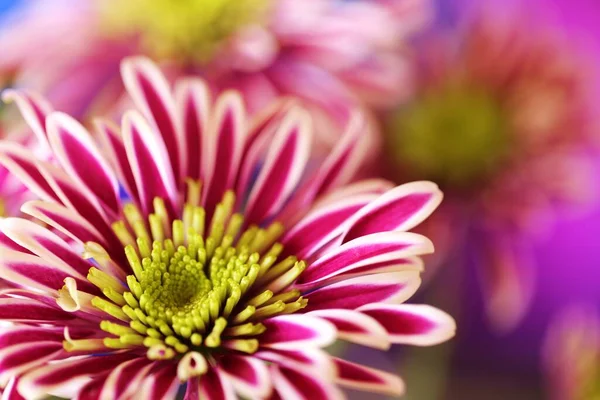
(400,209)
(30,311)
(21,357)
(286,158)
(358,253)
(226,136)
(160,384)
(150,91)
(126,378)
(34,109)
(390,287)
(312,358)
(359,377)
(75,372)
(356,327)
(149,161)
(71,143)
(215,386)
(416,324)
(193,103)
(291,331)
(249,375)
(294,384)
(322,225)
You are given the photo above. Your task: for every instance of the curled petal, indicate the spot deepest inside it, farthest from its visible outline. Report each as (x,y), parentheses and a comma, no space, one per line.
(416,324)
(291,331)
(359,377)
(392,287)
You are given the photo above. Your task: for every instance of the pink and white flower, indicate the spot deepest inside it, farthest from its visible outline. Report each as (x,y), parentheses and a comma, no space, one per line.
(328,52)
(505,119)
(193,248)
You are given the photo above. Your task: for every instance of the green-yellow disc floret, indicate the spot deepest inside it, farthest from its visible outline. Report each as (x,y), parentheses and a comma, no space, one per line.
(189,291)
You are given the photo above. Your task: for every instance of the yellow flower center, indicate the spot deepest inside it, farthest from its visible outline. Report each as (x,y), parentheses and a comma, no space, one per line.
(454,135)
(191,30)
(190,293)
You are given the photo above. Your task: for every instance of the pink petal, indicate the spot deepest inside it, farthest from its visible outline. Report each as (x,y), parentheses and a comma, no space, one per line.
(249,375)
(147,155)
(312,358)
(416,324)
(29,311)
(18,358)
(161,384)
(193,102)
(294,384)
(45,244)
(400,209)
(291,331)
(215,386)
(282,169)
(64,220)
(224,147)
(358,253)
(34,109)
(321,226)
(109,135)
(356,327)
(151,93)
(72,371)
(359,377)
(391,287)
(22,164)
(126,378)
(71,143)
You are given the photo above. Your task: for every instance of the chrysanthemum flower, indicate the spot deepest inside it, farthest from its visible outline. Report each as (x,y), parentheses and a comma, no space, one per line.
(329,52)
(194,250)
(503,120)
(572,355)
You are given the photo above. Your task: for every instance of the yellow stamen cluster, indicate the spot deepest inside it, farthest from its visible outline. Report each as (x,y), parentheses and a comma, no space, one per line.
(190,29)
(192,293)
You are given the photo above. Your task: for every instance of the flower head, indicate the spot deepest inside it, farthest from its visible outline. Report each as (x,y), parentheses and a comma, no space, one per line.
(503,121)
(328,52)
(194,249)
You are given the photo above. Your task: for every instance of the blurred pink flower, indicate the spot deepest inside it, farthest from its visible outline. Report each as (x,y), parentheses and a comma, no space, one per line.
(572,355)
(504,118)
(229,264)
(328,52)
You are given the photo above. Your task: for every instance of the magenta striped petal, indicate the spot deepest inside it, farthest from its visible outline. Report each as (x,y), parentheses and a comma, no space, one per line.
(215,386)
(64,220)
(125,379)
(18,358)
(193,103)
(149,161)
(34,109)
(45,244)
(249,375)
(358,253)
(416,324)
(109,135)
(224,147)
(91,390)
(291,331)
(356,327)
(35,272)
(161,384)
(345,159)
(71,372)
(29,311)
(294,384)
(391,287)
(311,358)
(10,392)
(70,144)
(22,164)
(400,209)
(282,169)
(151,93)
(321,226)
(359,377)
